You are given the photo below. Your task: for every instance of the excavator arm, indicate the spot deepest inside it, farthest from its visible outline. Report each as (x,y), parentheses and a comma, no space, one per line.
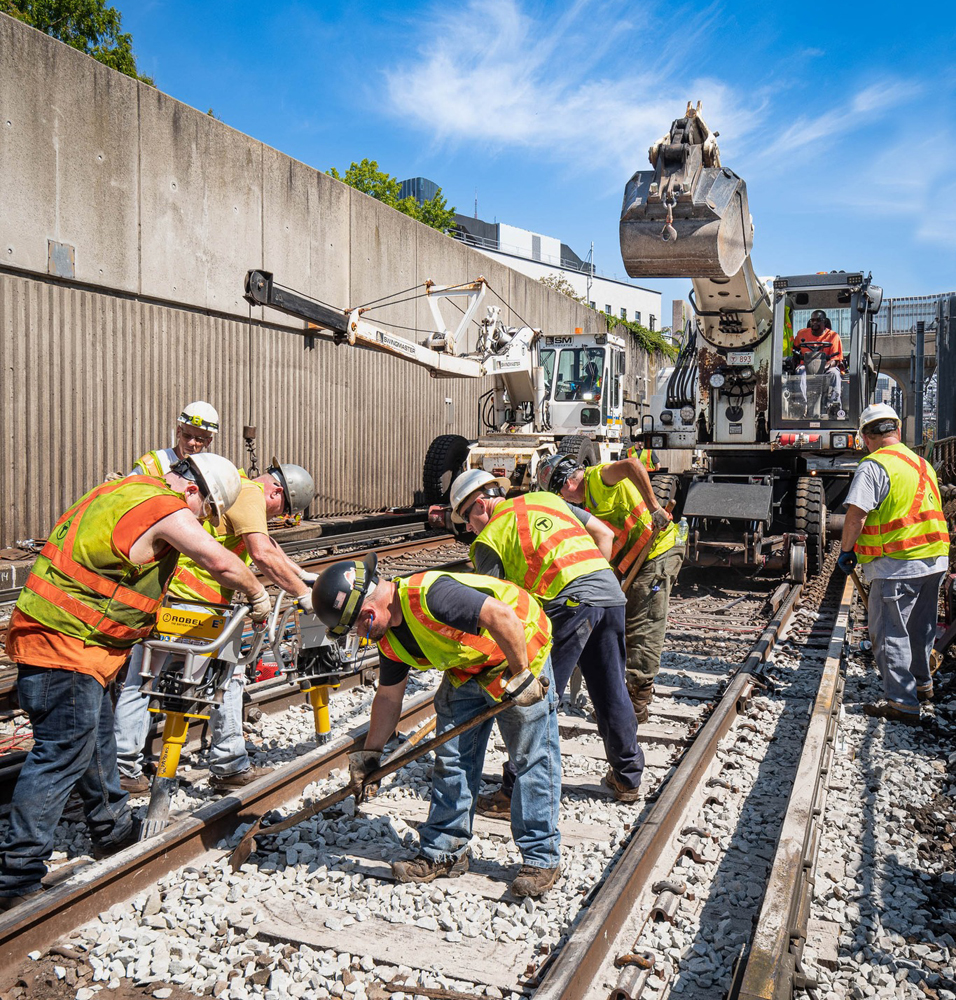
(688,217)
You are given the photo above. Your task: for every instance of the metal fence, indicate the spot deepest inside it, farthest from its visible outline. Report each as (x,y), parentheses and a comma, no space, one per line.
(900,315)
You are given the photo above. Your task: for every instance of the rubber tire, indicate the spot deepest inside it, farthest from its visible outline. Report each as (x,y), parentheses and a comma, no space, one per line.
(811,518)
(578,447)
(665,488)
(444,460)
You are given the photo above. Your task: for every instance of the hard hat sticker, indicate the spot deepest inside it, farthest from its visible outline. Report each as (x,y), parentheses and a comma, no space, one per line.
(339,600)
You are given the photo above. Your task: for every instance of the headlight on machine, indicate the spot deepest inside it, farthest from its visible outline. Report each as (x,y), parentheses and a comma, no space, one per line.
(657,440)
(716,380)
(687,414)
(839,441)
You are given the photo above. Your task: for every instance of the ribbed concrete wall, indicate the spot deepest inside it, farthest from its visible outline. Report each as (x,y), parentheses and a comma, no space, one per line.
(163,209)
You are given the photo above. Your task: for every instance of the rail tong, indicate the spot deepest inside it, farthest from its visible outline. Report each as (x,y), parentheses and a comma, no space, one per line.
(394,762)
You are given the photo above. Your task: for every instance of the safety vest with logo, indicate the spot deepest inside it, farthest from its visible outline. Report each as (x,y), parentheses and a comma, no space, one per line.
(909,523)
(620,506)
(82,586)
(193,583)
(461,655)
(541,544)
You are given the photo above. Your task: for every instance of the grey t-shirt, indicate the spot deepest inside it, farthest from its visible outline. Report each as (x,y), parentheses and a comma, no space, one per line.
(600,589)
(870,487)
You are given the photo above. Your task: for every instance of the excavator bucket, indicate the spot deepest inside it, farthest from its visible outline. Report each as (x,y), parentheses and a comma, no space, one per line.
(688,217)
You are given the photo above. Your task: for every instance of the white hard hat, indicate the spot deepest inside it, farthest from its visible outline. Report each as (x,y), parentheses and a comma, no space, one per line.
(876,412)
(470,481)
(217,478)
(200,414)
(297,485)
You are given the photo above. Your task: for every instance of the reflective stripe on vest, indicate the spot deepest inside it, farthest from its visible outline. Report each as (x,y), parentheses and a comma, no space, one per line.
(463,655)
(151,464)
(620,506)
(81,586)
(541,544)
(193,583)
(909,523)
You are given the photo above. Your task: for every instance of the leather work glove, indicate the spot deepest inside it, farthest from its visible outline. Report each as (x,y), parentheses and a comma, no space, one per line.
(660,519)
(261,607)
(361,764)
(304,601)
(847,561)
(525,689)
(308,578)
(439,516)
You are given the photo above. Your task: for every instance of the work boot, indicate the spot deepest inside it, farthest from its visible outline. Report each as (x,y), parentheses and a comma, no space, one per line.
(925,694)
(534,881)
(135,785)
(497,805)
(621,791)
(641,696)
(884,710)
(424,869)
(101,851)
(226,782)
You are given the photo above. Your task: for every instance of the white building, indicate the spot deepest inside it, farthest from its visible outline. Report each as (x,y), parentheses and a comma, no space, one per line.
(539,256)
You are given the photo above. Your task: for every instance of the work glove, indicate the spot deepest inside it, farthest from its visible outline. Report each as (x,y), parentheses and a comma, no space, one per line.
(525,689)
(660,519)
(305,601)
(261,607)
(847,561)
(439,517)
(308,578)
(361,764)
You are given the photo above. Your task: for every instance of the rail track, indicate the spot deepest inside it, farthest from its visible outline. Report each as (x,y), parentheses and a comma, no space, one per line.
(633,873)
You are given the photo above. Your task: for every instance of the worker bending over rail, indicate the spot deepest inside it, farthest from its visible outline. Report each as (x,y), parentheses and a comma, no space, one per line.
(94,591)
(620,494)
(896,530)
(560,554)
(489,638)
(244,530)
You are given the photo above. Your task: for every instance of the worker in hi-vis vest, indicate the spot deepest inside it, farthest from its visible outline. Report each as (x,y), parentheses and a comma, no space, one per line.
(93,593)
(646,456)
(244,530)
(895,529)
(620,494)
(490,639)
(560,554)
(196,427)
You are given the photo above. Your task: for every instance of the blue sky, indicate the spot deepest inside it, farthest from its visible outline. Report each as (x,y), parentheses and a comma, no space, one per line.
(840,118)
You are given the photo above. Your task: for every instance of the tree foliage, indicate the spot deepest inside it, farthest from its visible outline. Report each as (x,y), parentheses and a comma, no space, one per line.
(369,179)
(562,285)
(87,25)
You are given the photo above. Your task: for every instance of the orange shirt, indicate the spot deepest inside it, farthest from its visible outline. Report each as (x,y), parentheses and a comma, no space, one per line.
(828,339)
(40,646)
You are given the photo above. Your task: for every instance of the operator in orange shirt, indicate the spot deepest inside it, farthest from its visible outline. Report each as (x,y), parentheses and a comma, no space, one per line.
(819,337)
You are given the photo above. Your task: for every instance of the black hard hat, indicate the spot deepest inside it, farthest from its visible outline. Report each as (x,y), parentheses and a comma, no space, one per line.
(339,592)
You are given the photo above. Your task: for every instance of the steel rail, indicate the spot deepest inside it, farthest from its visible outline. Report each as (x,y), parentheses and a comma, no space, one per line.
(769,968)
(37,924)
(578,963)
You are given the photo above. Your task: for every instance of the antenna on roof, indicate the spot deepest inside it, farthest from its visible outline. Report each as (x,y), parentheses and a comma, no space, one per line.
(476,203)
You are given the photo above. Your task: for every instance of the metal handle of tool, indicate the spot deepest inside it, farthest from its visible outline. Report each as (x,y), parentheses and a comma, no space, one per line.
(394,762)
(642,558)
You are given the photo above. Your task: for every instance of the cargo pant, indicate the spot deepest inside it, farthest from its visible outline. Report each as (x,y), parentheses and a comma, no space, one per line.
(646,616)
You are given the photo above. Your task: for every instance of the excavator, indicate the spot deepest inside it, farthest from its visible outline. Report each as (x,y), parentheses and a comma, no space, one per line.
(758,392)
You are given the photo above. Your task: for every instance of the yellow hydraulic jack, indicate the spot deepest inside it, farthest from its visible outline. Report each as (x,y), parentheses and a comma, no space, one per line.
(188,682)
(300,644)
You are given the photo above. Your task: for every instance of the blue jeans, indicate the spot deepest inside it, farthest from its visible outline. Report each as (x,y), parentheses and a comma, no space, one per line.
(228,750)
(531,737)
(73,747)
(593,639)
(902,625)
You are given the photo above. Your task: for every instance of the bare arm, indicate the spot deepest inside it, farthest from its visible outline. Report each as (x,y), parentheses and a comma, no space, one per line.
(183,532)
(506,629)
(274,564)
(602,536)
(386,711)
(631,468)
(852,526)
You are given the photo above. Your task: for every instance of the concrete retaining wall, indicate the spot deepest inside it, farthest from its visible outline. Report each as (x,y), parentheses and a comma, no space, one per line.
(128,222)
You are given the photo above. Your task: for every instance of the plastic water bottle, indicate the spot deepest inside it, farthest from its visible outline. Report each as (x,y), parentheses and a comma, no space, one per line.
(682,529)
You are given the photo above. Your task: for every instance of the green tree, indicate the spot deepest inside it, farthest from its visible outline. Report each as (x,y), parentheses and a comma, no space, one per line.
(87,25)
(369,179)
(562,285)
